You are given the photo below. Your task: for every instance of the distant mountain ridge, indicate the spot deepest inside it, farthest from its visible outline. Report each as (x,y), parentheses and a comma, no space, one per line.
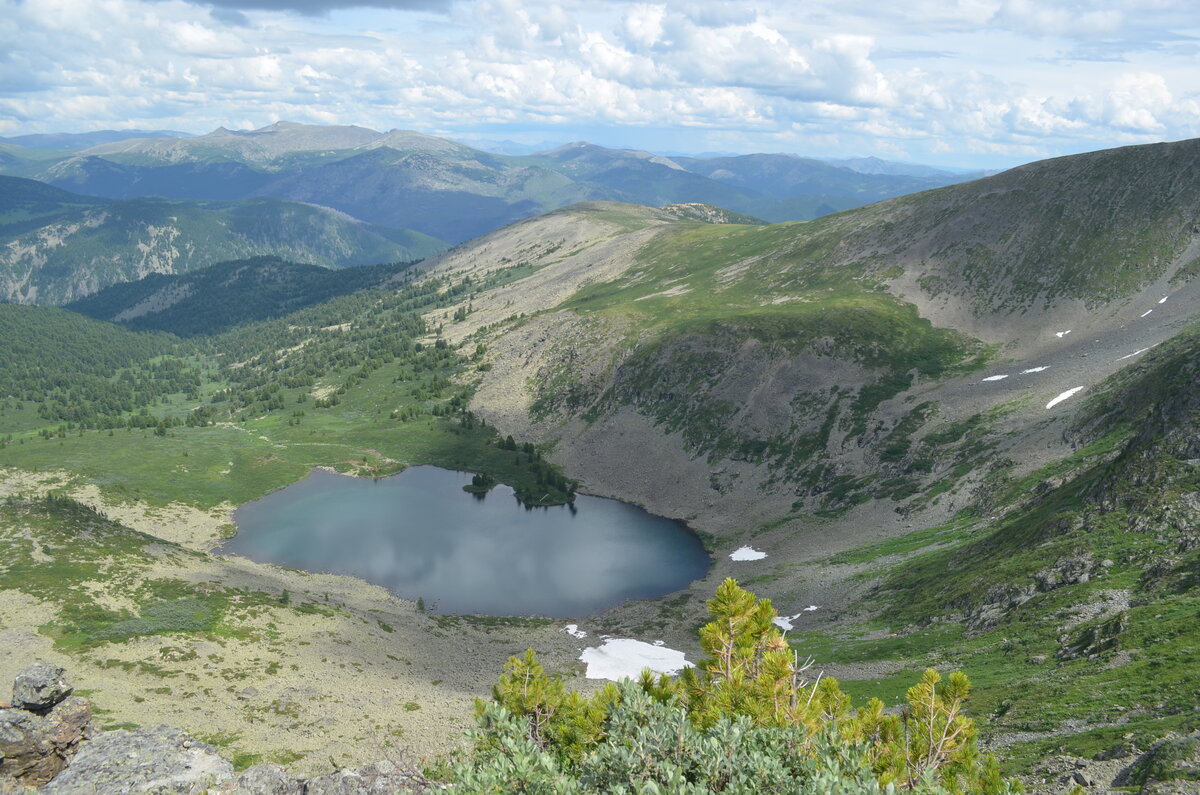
(81,140)
(447,189)
(56,246)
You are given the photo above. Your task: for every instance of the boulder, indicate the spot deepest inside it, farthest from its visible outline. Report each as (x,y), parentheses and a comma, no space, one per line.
(266,779)
(1069,571)
(158,759)
(40,686)
(381,778)
(35,748)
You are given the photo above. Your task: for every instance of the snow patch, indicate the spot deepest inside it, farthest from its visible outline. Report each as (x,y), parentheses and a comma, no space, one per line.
(1148,311)
(574,631)
(785,622)
(1035,369)
(1135,353)
(1163,300)
(1061,334)
(996,377)
(747,553)
(619,658)
(1063,397)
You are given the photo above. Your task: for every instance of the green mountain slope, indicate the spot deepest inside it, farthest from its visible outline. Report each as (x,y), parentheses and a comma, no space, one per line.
(21,161)
(54,358)
(58,246)
(75,141)
(218,297)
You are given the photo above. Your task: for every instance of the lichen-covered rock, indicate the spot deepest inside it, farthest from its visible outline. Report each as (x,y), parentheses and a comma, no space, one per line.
(266,779)
(996,604)
(40,686)
(1095,640)
(381,778)
(34,748)
(1069,571)
(157,759)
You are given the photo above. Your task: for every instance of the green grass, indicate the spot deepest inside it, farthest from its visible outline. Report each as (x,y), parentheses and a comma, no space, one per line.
(58,550)
(952,532)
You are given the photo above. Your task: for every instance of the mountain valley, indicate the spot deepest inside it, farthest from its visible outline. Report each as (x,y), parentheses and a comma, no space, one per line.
(960,424)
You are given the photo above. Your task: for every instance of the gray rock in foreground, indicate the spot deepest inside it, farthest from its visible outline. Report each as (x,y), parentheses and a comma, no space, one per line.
(40,686)
(266,779)
(381,778)
(157,759)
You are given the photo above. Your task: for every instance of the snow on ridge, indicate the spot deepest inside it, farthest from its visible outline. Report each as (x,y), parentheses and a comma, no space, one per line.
(1035,369)
(1063,397)
(1135,353)
(620,658)
(747,553)
(996,377)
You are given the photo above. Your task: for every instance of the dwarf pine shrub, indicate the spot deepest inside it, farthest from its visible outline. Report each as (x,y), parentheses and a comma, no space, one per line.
(745,719)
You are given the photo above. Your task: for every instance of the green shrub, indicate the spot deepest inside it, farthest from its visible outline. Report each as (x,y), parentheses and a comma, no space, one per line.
(744,719)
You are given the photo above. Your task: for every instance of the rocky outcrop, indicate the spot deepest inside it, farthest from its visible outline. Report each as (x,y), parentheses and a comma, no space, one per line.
(1095,640)
(1002,599)
(46,741)
(1171,766)
(158,759)
(268,779)
(43,729)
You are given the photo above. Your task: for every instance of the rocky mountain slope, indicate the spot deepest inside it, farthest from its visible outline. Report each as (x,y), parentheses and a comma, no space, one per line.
(56,246)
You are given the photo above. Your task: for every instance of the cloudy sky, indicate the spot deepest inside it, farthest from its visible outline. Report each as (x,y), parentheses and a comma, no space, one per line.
(980,83)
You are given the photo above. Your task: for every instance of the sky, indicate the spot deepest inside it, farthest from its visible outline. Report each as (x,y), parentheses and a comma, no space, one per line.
(969,83)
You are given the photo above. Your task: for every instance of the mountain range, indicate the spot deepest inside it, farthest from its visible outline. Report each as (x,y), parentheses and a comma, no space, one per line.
(445,189)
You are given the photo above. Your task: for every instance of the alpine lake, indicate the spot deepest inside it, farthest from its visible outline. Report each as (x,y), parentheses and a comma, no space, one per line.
(421,536)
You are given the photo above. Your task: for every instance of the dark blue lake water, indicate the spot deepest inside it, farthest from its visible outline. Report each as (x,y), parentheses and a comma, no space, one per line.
(420,535)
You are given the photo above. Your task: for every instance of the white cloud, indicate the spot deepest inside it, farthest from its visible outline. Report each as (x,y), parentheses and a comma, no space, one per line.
(643,25)
(1009,78)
